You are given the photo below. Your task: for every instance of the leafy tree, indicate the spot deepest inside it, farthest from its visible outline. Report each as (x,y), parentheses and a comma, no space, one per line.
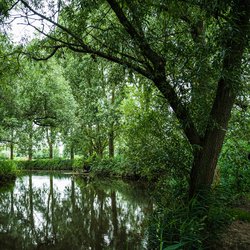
(9,106)
(47,100)
(193,51)
(152,153)
(97,90)
(37,103)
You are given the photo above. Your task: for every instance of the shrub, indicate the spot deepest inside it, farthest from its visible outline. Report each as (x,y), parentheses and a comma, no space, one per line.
(46,164)
(116,166)
(8,171)
(78,164)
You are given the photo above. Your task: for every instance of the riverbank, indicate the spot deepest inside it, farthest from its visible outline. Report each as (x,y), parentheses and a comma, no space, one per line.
(197,225)
(106,167)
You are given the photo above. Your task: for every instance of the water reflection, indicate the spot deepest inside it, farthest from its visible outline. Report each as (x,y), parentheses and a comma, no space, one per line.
(60,212)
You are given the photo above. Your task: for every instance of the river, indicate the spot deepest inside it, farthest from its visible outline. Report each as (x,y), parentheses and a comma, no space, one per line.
(61,211)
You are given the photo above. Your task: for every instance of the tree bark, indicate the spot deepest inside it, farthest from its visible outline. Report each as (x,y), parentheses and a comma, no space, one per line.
(50,142)
(11,150)
(206,157)
(30,146)
(111,131)
(111,142)
(30,154)
(72,152)
(30,149)
(50,150)
(12,144)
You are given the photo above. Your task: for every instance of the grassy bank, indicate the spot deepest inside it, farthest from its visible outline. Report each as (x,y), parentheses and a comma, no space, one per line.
(106,167)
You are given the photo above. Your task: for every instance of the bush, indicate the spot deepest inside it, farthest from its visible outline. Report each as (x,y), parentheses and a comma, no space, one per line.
(8,171)
(46,164)
(115,167)
(78,164)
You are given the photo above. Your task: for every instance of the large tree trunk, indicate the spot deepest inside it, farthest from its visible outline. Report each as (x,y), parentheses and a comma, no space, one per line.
(206,157)
(12,145)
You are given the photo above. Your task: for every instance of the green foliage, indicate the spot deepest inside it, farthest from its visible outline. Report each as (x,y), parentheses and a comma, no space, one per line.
(81,163)
(234,166)
(106,167)
(110,167)
(8,171)
(178,227)
(78,164)
(152,134)
(45,164)
(240,214)
(191,225)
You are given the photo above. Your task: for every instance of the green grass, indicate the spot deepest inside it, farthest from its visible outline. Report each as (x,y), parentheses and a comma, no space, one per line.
(240,214)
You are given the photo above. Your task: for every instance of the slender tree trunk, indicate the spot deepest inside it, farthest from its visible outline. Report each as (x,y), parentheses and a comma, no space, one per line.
(12,144)
(50,142)
(111,131)
(30,154)
(11,150)
(99,145)
(111,142)
(51,151)
(30,148)
(72,152)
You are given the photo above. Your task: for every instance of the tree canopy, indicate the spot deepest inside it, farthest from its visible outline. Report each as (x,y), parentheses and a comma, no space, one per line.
(194,52)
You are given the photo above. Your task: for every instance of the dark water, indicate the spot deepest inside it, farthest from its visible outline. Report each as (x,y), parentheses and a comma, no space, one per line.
(64,212)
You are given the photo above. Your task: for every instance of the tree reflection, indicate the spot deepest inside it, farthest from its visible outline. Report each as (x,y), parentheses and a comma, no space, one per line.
(85,215)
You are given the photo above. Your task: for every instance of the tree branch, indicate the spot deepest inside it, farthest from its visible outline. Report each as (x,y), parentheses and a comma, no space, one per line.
(136,36)
(82,47)
(55,48)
